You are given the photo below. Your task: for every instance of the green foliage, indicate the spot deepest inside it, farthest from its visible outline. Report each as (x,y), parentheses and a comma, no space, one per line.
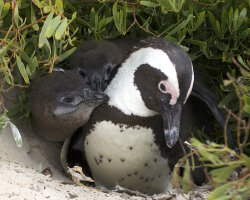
(219,158)
(35,35)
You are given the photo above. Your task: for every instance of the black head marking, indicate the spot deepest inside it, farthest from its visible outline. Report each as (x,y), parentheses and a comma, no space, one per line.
(146,79)
(178,57)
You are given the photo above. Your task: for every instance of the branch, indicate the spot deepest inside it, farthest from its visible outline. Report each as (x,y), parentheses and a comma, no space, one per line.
(6,36)
(36,22)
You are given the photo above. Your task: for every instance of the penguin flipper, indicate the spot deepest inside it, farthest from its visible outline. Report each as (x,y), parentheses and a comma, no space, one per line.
(205,95)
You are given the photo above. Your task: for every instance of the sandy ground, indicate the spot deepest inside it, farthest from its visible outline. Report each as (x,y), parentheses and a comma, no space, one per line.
(22,177)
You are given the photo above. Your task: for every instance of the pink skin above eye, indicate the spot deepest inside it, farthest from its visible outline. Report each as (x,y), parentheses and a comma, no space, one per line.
(168,88)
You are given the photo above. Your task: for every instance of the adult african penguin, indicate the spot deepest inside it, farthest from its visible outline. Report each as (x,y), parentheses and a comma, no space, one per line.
(95,61)
(131,140)
(60,103)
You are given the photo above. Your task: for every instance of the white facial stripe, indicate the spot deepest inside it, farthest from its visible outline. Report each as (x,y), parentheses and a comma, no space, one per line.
(191,84)
(124,95)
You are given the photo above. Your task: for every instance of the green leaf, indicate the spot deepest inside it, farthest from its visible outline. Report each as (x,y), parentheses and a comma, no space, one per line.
(176,5)
(115,15)
(67,54)
(73,16)
(96,21)
(1,7)
(16,134)
(224,16)
(61,29)
(53,26)
(200,19)
(221,191)
(187,180)
(235,19)
(242,17)
(124,22)
(37,3)
(22,70)
(164,6)
(212,157)
(6,9)
(47,9)
(47,47)
(59,5)
(241,61)
(246,107)
(149,4)
(33,18)
(247,161)
(92,17)
(16,16)
(25,57)
(229,98)
(42,36)
(33,65)
(213,23)
(175,176)
(180,26)
(108,20)
(230,17)
(218,27)
(6,77)
(223,173)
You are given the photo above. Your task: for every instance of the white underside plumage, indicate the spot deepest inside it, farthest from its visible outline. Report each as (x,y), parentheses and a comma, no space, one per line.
(124,95)
(126,157)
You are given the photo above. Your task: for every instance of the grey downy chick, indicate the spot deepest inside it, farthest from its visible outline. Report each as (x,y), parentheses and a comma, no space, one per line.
(60,103)
(97,61)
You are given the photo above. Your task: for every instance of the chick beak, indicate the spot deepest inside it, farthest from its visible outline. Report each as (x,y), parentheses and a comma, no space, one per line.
(94,97)
(171,121)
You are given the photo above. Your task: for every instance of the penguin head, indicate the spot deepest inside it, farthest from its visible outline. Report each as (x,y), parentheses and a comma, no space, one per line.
(96,74)
(60,103)
(156,79)
(160,95)
(95,61)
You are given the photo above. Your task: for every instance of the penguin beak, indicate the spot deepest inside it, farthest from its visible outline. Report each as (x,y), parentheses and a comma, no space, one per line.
(171,121)
(94,97)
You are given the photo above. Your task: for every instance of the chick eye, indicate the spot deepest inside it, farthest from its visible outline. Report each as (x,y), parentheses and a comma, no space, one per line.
(68,99)
(82,73)
(162,87)
(72,100)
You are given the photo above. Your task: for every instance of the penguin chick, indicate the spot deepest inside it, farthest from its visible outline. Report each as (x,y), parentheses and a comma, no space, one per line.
(95,61)
(60,103)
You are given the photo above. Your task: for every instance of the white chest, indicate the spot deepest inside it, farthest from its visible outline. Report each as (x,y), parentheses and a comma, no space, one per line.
(126,156)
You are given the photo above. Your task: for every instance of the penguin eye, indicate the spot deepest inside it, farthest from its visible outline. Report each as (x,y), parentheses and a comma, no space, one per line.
(72,100)
(82,73)
(162,87)
(68,99)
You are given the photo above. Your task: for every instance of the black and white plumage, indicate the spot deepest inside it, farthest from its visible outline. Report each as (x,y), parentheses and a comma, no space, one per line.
(95,61)
(125,141)
(60,103)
